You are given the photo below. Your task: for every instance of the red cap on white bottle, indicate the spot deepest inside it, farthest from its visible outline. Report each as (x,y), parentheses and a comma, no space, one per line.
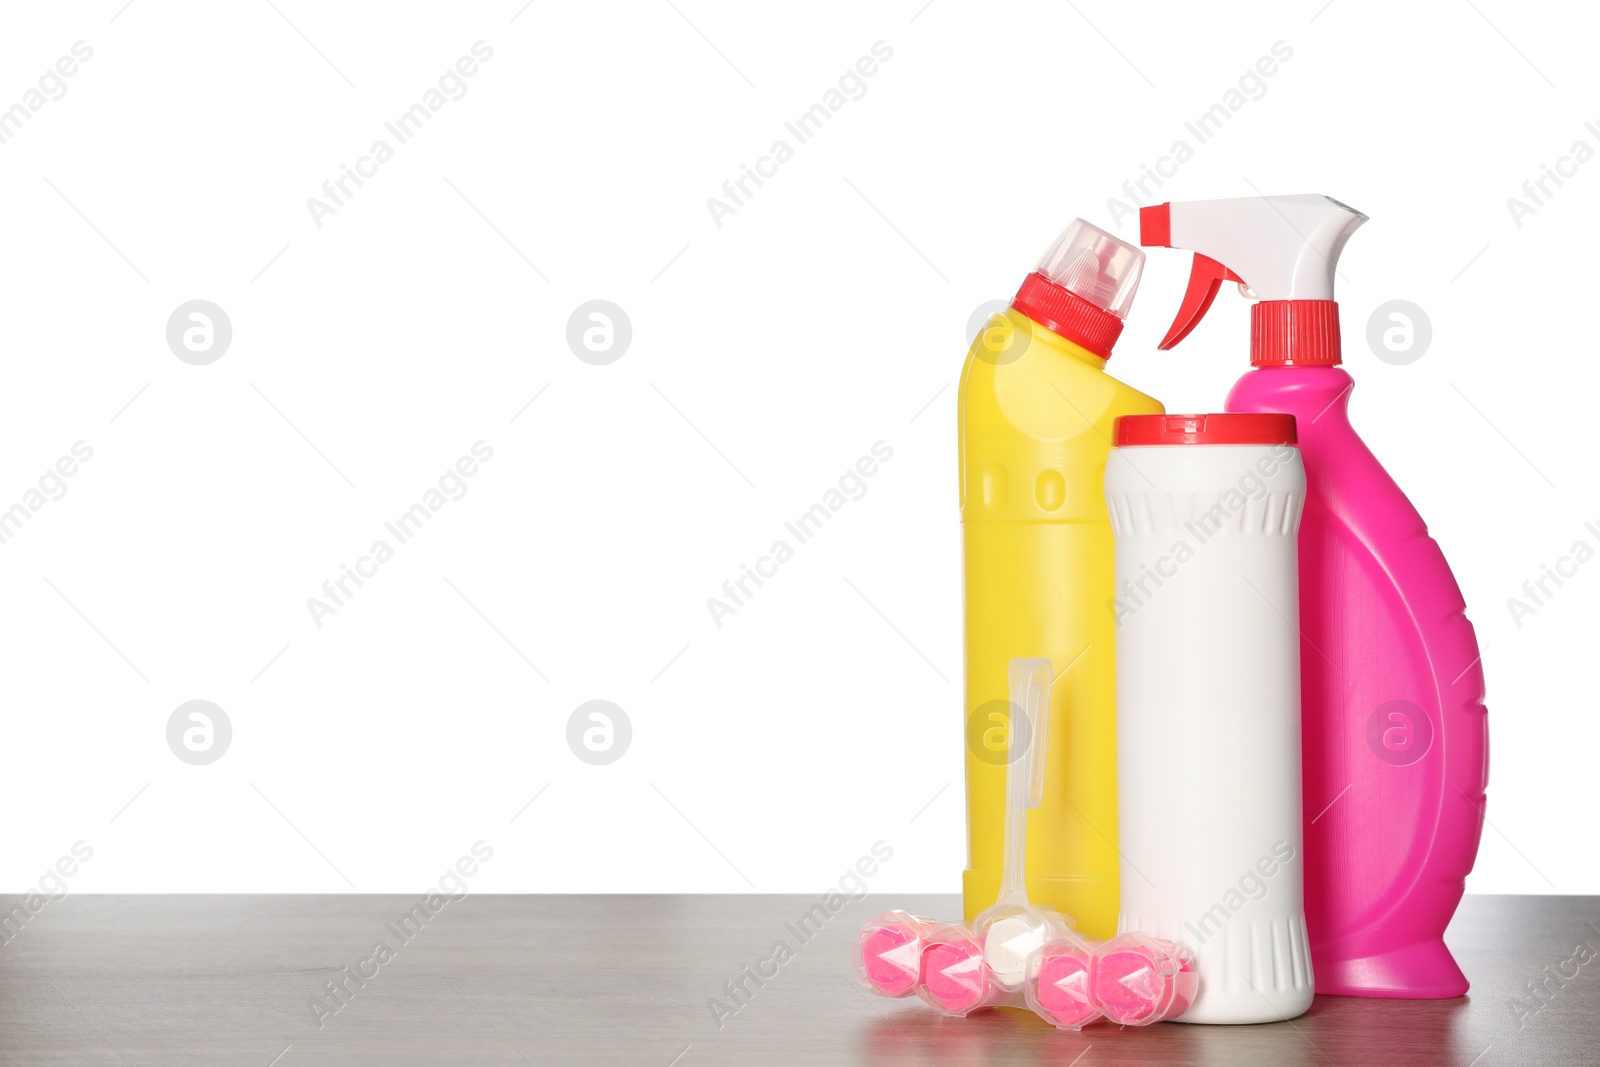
(1219,428)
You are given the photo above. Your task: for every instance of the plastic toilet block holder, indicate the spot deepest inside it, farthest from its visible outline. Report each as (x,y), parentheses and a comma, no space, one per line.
(1017,954)
(987,965)
(1011,929)
(1015,933)
(1066,979)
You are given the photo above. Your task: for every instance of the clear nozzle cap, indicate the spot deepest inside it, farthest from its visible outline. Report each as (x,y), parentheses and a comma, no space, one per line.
(1094,265)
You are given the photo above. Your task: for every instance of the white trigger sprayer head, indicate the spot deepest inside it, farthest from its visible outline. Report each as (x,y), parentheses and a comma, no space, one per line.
(1284,250)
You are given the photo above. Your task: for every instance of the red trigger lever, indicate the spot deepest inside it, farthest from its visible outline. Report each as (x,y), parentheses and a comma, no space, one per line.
(1204,281)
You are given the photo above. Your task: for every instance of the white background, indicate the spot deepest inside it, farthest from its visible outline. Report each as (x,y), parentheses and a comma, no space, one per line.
(768,354)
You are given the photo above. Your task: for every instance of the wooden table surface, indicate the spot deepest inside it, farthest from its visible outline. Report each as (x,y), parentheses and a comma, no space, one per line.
(620,980)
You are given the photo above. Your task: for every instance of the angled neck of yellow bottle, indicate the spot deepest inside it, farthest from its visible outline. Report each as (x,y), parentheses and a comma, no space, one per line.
(1043,335)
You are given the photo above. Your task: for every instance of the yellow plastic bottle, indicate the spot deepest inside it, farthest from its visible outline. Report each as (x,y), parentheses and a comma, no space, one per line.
(1036,413)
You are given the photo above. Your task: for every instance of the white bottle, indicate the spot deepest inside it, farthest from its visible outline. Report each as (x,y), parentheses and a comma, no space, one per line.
(1204,511)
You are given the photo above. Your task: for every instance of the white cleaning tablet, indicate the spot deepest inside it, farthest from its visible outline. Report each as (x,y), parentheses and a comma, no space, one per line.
(1008,944)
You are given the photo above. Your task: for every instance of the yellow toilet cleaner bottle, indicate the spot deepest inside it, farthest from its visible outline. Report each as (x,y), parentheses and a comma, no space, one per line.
(1036,414)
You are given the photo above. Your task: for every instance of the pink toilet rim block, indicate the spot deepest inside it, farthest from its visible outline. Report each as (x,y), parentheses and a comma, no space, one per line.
(955,979)
(1132,980)
(889,950)
(1138,980)
(1060,991)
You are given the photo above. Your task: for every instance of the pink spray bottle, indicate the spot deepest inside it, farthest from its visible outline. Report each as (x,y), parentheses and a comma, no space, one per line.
(1394,731)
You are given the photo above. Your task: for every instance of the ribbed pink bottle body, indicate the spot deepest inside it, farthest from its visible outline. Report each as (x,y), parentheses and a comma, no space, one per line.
(1394,732)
